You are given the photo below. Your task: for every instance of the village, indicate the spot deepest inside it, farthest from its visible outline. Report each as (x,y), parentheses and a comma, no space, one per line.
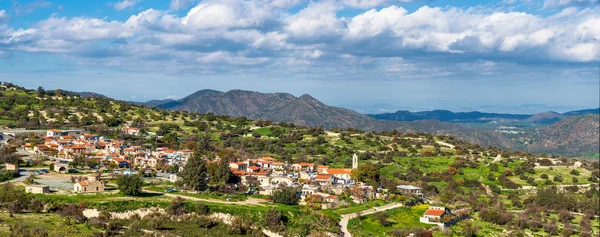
(315,184)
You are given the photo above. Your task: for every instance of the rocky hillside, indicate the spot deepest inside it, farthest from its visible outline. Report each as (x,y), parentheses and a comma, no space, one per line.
(574,135)
(308,111)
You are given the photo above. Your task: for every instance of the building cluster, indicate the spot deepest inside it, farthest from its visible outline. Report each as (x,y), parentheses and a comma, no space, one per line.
(68,144)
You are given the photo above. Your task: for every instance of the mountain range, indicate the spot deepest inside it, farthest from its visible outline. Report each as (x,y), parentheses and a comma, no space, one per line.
(308,111)
(479,117)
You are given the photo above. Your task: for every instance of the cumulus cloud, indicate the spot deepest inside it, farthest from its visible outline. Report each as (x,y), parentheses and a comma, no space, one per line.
(122,5)
(241,33)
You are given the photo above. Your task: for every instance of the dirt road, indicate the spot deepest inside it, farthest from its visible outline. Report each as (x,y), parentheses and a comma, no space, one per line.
(348,217)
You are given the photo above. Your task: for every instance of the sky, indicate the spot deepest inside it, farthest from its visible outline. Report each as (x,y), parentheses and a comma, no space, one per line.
(368,55)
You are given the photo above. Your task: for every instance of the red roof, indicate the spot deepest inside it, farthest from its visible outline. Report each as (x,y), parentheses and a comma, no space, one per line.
(432,212)
(254,168)
(323,176)
(339,171)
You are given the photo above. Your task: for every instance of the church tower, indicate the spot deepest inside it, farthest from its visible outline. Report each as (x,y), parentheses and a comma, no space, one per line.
(354,161)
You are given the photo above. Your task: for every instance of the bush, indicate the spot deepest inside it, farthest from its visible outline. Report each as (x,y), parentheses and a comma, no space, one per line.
(130,185)
(177,207)
(382,218)
(274,220)
(558,178)
(286,196)
(491,177)
(574,172)
(544,176)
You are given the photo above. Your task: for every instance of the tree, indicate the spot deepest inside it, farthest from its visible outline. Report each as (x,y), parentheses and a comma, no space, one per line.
(470,230)
(274,220)
(58,92)
(382,217)
(195,174)
(130,185)
(40,92)
(286,196)
(177,207)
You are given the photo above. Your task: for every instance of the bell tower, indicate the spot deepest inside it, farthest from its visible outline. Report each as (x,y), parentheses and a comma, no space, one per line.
(354,161)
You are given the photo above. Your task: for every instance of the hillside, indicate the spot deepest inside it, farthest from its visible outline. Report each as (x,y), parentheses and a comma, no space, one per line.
(549,117)
(574,135)
(308,111)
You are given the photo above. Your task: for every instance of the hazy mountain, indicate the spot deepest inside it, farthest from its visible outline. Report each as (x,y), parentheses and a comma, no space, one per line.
(582,112)
(574,135)
(549,117)
(479,117)
(448,116)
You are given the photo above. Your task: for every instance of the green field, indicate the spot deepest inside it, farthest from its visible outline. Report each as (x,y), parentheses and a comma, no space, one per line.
(54,224)
(399,217)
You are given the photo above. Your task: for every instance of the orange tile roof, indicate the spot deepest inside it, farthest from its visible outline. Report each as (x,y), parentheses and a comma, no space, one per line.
(268,158)
(323,176)
(54,130)
(254,168)
(331,197)
(84,183)
(339,171)
(278,163)
(432,212)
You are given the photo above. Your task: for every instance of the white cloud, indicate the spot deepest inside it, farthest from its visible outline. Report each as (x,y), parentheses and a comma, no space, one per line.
(180,4)
(239,33)
(3,17)
(226,57)
(363,4)
(122,5)
(318,21)
(566,3)
(226,14)
(21,9)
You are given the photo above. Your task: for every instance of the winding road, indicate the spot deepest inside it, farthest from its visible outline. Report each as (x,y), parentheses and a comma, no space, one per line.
(346,218)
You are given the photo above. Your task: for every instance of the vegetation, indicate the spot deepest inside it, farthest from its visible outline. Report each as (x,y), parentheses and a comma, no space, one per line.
(130,184)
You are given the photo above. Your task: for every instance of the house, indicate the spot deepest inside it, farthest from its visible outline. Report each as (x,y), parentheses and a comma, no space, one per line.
(278,165)
(121,163)
(89,186)
(37,189)
(324,179)
(53,133)
(13,167)
(343,175)
(238,165)
(132,131)
(409,189)
(303,167)
(434,215)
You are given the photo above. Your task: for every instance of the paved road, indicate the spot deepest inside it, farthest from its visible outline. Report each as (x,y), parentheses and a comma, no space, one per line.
(348,217)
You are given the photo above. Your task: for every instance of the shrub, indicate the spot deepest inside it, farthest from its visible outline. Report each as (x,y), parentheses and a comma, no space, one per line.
(574,172)
(177,207)
(382,218)
(286,196)
(544,176)
(558,178)
(130,185)
(274,220)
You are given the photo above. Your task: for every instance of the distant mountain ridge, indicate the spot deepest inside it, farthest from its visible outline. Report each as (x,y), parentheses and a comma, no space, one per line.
(308,111)
(479,117)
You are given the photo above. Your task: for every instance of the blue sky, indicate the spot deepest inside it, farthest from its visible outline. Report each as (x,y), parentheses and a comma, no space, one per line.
(370,55)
